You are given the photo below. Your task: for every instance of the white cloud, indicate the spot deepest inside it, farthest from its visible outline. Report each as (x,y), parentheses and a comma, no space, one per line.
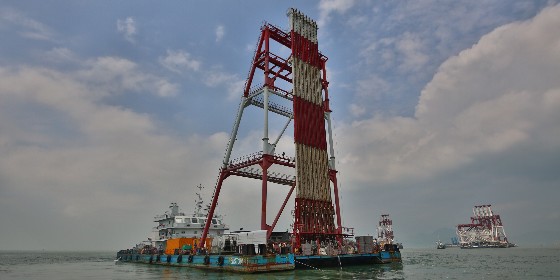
(220,32)
(326,7)
(232,82)
(61,55)
(128,28)
(179,61)
(116,75)
(27,27)
(357,110)
(61,143)
(413,52)
(501,93)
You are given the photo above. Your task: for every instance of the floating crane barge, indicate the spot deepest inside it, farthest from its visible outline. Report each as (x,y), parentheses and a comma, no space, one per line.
(484,231)
(317,237)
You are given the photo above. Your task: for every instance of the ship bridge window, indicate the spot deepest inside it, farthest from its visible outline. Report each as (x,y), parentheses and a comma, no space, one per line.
(214,221)
(194,220)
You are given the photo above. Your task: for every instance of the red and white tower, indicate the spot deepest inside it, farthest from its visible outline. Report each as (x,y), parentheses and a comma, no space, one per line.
(301,81)
(485,230)
(385,230)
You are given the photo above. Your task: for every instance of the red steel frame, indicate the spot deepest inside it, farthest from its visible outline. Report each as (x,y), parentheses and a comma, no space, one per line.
(275,67)
(480,222)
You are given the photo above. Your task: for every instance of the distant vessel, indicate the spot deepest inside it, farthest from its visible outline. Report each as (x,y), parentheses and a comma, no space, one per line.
(484,231)
(440,245)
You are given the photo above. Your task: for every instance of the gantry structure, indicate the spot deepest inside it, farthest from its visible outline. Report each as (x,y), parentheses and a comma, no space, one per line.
(385,230)
(484,230)
(299,79)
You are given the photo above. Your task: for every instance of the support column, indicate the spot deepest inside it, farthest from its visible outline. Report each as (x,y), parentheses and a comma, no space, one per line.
(266,146)
(223,175)
(265,164)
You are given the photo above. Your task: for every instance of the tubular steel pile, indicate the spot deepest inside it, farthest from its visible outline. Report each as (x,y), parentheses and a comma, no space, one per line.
(314,211)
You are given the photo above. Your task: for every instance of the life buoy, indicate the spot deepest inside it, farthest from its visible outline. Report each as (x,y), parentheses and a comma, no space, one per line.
(179,258)
(207,259)
(190,258)
(221,260)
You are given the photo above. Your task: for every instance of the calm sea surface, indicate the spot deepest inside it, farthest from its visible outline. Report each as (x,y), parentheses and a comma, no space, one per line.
(451,263)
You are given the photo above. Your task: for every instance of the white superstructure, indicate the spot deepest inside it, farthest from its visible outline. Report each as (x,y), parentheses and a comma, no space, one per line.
(175,224)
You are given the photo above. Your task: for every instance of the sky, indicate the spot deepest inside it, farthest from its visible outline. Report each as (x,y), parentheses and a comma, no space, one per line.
(110,110)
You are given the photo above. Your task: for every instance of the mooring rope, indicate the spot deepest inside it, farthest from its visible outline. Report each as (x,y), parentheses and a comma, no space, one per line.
(316,268)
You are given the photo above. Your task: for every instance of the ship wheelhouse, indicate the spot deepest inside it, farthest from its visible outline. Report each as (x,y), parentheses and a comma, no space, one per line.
(174,224)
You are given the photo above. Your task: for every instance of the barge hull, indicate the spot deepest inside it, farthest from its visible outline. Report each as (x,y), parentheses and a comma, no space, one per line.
(234,263)
(314,261)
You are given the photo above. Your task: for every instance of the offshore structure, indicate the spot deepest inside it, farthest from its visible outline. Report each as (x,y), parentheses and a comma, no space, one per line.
(385,229)
(485,230)
(299,79)
(294,88)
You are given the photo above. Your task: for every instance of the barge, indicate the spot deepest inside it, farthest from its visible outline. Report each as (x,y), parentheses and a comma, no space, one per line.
(485,230)
(294,87)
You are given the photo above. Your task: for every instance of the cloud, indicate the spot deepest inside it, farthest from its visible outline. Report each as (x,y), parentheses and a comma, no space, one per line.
(116,75)
(232,82)
(61,55)
(128,28)
(413,52)
(220,32)
(326,7)
(68,153)
(498,95)
(27,27)
(404,43)
(179,61)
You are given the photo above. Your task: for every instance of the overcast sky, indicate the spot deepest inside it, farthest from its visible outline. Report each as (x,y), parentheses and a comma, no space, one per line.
(110,110)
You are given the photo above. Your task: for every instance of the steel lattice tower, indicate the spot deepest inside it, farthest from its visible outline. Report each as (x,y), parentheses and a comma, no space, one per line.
(300,79)
(486,228)
(385,229)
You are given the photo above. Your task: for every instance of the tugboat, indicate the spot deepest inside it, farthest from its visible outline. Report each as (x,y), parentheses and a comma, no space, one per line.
(390,251)
(176,231)
(175,242)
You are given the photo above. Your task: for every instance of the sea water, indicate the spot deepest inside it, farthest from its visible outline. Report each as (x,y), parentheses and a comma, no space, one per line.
(450,263)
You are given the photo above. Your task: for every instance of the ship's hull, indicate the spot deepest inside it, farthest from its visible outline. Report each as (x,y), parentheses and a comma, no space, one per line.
(314,261)
(259,264)
(234,263)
